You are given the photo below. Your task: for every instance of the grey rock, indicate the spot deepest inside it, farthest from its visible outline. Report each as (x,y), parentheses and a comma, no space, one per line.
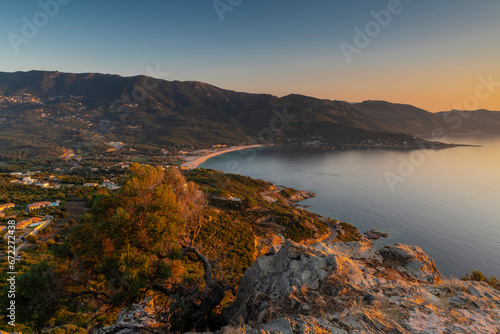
(280,326)
(361,250)
(346,288)
(293,267)
(483,290)
(130,320)
(413,261)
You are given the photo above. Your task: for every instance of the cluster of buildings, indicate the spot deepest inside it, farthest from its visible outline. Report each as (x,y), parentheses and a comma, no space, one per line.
(21,98)
(41,205)
(27,179)
(5,207)
(31,222)
(105,184)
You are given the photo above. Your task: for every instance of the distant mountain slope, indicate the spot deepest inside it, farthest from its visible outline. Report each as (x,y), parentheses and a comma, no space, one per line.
(41,113)
(472,121)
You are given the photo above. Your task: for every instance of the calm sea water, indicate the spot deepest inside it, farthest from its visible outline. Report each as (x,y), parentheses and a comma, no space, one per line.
(446,201)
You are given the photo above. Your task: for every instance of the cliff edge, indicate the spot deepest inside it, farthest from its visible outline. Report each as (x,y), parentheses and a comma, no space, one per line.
(352,288)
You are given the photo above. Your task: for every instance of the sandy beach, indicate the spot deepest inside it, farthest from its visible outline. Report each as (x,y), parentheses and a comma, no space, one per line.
(196,160)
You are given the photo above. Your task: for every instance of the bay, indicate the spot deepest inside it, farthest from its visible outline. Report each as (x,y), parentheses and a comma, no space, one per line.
(445,201)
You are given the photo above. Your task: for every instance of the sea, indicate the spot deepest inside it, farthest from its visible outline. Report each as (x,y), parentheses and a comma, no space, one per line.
(445,201)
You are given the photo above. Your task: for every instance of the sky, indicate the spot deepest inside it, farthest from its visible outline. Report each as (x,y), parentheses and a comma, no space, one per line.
(435,54)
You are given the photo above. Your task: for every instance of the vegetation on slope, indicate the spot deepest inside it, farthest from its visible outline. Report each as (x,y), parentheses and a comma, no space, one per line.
(159,237)
(183,241)
(265,218)
(42,114)
(478,276)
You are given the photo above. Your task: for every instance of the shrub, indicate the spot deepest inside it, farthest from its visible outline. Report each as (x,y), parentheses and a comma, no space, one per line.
(46,230)
(32,238)
(42,246)
(478,276)
(350,233)
(298,232)
(68,329)
(475,275)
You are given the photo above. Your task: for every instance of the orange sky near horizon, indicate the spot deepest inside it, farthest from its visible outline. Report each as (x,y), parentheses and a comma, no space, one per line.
(433,95)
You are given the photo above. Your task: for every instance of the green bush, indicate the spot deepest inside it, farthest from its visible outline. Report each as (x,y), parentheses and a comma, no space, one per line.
(68,329)
(478,276)
(475,275)
(298,232)
(42,246)
(32,238)
(46,230)
(350,233)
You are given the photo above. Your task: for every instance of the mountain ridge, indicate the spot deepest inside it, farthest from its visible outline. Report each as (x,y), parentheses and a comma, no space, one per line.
(151,114)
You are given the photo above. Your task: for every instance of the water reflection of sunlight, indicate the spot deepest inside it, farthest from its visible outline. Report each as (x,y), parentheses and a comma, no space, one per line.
(448,206)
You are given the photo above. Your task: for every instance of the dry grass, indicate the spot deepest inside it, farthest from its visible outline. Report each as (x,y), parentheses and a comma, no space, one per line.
(234,330)
(394,312)
(454,284)
(375,318)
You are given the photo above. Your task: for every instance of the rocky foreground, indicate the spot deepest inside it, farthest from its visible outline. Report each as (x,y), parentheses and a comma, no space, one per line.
(349,288)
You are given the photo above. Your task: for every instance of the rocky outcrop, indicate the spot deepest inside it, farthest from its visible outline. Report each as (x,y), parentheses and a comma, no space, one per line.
(300,195)
(348,288)
(413,261)
(274,277)
(375,235)
(353,288)
(268,245)
(133,319)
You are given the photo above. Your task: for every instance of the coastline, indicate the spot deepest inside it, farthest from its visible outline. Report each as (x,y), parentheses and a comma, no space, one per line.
(194,161)
(448,263)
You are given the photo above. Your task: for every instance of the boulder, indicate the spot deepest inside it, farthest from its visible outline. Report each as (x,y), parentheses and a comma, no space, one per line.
(413,261)
(274,276)
(132,319)
(375,235)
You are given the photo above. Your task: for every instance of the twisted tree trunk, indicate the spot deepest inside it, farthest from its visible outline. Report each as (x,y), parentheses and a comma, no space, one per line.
(214,291)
